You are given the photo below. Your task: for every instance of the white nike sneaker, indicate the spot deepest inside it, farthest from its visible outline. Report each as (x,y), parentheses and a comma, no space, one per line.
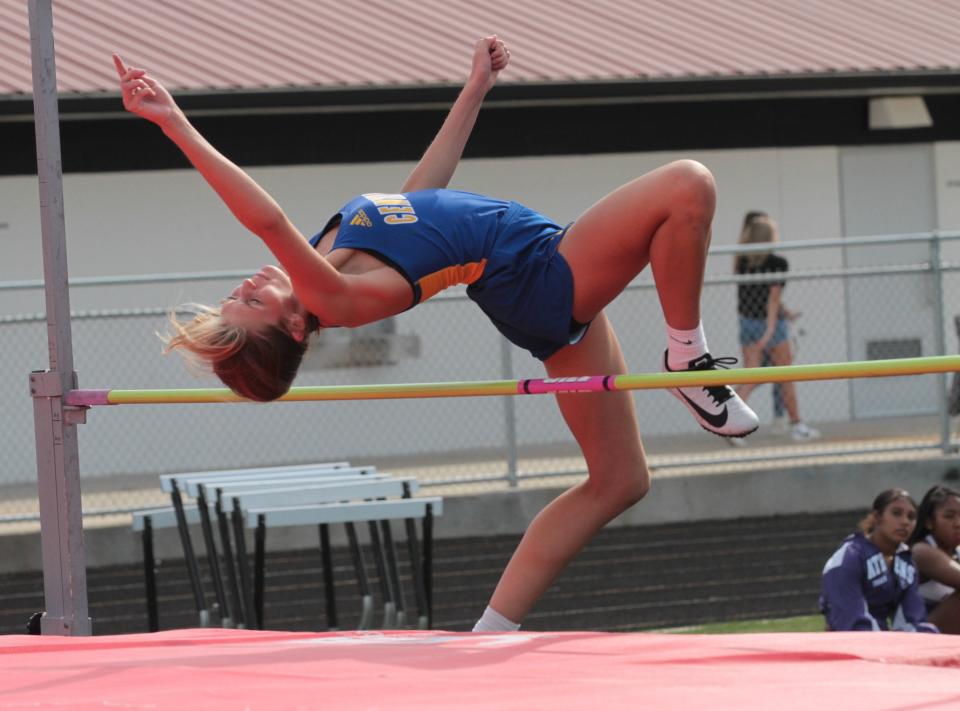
(717,408)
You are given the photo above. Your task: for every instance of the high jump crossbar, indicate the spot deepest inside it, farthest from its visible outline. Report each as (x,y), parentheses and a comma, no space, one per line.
(535,386)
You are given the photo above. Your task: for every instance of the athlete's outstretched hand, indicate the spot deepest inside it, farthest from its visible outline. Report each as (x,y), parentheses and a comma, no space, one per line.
(143,95)
(490,57)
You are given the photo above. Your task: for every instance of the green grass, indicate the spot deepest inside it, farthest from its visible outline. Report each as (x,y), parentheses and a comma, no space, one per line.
(807,623)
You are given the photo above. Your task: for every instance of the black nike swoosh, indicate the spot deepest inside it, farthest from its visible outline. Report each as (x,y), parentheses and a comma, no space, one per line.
(680,340)
(718,420)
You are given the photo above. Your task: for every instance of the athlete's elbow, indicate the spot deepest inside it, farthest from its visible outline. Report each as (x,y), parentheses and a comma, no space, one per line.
(266,222)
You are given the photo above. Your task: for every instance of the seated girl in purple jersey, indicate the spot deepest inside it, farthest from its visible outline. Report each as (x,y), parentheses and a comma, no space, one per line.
(544,287)
(935,546)
(870,583)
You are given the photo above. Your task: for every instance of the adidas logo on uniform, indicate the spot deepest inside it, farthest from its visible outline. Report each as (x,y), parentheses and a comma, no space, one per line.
(360,218)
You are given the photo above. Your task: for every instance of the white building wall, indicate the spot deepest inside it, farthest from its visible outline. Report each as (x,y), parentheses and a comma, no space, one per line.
(946,157)
(169,221)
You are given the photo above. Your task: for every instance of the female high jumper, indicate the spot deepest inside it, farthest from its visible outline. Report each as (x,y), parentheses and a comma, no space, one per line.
(543,286)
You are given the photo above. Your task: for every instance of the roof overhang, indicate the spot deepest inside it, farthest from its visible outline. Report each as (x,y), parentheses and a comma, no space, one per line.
(354,99)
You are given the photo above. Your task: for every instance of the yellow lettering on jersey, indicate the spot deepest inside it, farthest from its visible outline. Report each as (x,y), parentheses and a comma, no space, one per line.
(396,208)
(434,283)
(399,219)
(379,199)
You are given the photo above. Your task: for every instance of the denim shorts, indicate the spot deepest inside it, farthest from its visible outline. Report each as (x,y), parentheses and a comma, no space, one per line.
(752,330)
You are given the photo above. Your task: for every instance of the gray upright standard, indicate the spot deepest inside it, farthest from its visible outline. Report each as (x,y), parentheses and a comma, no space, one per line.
(58,465)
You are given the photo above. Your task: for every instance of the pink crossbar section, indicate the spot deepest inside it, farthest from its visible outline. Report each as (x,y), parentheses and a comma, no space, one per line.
(582,384)
(215,670)
(86,398)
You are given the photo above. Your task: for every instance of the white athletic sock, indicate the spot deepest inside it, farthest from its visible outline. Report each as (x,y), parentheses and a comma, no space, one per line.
(493,621)
(685,346)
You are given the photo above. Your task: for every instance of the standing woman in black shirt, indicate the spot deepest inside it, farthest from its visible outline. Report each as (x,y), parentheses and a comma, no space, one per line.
(764,319)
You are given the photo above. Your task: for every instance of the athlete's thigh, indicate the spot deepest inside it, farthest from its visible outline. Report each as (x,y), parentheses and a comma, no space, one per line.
(604,424)
(609,244)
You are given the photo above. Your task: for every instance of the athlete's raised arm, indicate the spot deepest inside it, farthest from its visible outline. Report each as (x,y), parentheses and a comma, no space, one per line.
(251,205)
(436,167)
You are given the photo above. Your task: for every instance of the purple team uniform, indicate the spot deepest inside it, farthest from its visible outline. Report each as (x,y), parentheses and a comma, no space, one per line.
(861,593)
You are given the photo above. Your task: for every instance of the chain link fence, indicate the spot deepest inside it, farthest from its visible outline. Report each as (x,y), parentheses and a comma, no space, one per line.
(858,299)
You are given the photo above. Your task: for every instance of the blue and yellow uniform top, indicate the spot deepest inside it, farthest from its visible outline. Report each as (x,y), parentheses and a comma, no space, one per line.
(505,253)
(434,238)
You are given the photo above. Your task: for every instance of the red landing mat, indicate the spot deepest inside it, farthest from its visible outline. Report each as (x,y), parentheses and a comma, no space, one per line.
(235,669)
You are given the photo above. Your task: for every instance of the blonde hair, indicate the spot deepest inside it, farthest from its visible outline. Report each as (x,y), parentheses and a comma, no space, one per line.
(759,230)
(256,364)
(203,340)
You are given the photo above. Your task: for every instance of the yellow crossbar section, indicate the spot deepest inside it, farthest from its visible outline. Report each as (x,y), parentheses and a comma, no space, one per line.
(534,386)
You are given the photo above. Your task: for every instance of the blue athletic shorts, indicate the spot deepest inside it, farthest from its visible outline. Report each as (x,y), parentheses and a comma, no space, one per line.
(752,330)
(527,287)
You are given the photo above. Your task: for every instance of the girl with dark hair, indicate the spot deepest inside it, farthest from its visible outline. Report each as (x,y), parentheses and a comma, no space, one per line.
(542,285)
(870,583)
(935,546)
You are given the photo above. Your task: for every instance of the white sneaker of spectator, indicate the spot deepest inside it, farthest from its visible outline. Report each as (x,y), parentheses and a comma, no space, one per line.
(801,432)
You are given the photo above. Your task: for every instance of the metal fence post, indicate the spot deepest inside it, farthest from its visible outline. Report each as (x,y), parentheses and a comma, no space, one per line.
(509,413)
(939,338)
(848,334)
(58,466)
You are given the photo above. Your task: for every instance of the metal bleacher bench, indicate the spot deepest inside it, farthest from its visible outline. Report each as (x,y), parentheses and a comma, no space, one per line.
(314,494)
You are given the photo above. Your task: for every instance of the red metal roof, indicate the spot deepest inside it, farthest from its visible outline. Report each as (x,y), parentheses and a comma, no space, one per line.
(217,45)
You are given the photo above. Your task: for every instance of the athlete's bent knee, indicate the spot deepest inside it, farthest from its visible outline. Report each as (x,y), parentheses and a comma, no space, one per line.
(694,187)
(629,491)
